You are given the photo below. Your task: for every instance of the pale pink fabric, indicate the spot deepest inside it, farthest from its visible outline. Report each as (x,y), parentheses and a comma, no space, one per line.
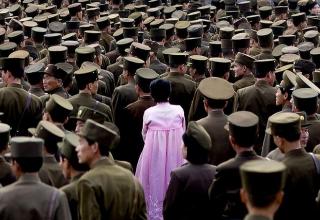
(163,127)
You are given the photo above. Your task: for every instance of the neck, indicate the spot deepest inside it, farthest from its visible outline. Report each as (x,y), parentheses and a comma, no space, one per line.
(289,146)
(74,172)
(14,81)
(267,212)
(95,160)
(214,109)
(141,94)
(130,79)
(36,86)
(176,70)
(86,91)
(240,150)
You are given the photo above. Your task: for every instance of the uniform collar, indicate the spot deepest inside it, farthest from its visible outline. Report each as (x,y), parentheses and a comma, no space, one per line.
(105,161)
(28,177)
(15,85)
(256,217)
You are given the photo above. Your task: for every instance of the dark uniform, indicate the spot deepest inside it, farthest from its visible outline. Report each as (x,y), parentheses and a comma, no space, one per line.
(224,192)
(302,177)
(187,194)
(158,66)
(217,89)
(51,173)
(245,81)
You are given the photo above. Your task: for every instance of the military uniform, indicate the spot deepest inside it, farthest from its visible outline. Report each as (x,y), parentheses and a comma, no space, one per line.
(224,191)
(51,173)
(120,191)
(264,54)
(6,175)
(108,42)
(259,99)
(187,193)
(245,81)
(302,177)
(217,89)
(37,91)
(122,96)
(13,101)
(87,100)
(116,69)
(158,66)
(28,198)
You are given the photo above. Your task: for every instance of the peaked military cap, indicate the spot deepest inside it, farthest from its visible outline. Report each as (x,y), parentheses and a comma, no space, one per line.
(140,50)
(85,113)
(264,66)
(216,88)
(181,28)
(37,34)
(215,48)
(27,27)
(86,75)
(84,54)
(50,133)
(56,27)
(298,18)
(98,132)
(52,39)
(315,55)
(304,97)
(124,44)
(21,54)
(244,59)
(288,40)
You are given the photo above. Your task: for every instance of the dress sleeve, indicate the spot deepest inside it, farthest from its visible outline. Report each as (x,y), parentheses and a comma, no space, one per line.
(145,125)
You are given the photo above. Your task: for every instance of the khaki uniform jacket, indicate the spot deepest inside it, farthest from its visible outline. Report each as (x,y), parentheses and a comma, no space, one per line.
(260,99)
(314,131)
(122,96)
(158,66)
(51,172)
(6,175)
(264,54)
(71,192)
(85,99)
(221,149)
(108,191)
(116,69)
(197,110)
(245,81)
(30,199)
(182,91)
(107,41)
(37,92)
(224,191)
(13,101)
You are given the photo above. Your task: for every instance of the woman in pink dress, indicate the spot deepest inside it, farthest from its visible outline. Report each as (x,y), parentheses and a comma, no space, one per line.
(163,127)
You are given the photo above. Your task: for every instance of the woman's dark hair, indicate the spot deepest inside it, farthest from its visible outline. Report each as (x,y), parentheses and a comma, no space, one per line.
(160,90)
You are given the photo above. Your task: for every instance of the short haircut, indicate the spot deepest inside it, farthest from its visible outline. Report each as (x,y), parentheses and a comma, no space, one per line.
(160,90)
(76,165)
(246,139)
(104,150)
(215,104)
(29,165)
(292,136)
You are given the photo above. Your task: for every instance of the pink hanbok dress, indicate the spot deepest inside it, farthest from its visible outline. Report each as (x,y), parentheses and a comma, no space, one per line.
(163,127)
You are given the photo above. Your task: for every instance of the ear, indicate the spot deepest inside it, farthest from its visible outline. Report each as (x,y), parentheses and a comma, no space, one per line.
(205,104)
(95,147)
(279,197)
(243,196)
(232,141)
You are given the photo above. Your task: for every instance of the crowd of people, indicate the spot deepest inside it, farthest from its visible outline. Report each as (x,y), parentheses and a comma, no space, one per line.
(156,109)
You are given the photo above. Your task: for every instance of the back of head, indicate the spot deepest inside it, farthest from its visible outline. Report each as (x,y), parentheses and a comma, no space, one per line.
(160,90)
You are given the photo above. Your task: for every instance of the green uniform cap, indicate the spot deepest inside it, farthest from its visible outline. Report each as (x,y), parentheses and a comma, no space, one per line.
(98,132)
(219,66)
(85,113)
(244,59)
(198,134)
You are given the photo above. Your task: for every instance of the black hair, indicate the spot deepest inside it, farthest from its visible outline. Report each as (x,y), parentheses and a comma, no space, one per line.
(104,150)
(261,201)
(245,137)
(293,135)
(73,161)
(216,104)
(160,90)
(29,165)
